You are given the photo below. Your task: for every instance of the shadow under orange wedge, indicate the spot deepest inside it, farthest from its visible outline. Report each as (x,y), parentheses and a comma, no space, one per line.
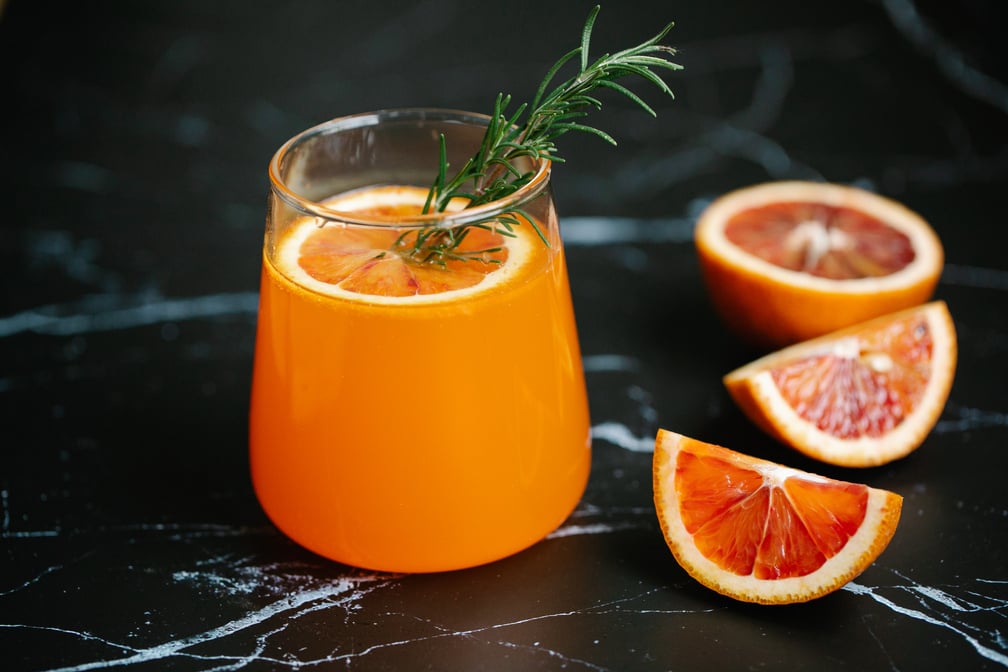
(859,397)
(788,261)
(761,532)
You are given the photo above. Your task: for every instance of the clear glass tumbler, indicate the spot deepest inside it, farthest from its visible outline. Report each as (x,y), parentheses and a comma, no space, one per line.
(403,430)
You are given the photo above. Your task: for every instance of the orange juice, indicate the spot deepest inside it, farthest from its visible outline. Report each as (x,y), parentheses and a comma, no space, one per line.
(420,434)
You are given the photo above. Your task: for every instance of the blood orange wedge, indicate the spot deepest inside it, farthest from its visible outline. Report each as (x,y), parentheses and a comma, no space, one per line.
(858,397)
(788,261)
(372,263)
(762,532)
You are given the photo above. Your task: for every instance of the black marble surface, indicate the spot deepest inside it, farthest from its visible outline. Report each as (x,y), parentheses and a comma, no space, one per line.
(135,139)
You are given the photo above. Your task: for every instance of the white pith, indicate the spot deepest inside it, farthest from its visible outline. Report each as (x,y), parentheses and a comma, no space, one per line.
(817,241)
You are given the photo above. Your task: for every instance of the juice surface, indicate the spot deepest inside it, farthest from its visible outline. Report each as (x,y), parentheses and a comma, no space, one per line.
(420,437)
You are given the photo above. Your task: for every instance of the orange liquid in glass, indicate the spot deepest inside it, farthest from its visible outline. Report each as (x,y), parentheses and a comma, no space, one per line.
(420,437)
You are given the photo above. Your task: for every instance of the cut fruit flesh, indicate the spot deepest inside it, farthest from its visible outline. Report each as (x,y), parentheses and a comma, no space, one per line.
(762,532)
(365,263)
(838,243)
(860,397)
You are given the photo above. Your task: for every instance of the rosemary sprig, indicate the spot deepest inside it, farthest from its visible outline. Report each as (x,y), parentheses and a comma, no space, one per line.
(491,173)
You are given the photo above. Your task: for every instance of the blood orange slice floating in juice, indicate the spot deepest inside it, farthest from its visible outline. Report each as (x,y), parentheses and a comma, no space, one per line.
(788,261)
(859,397)
(365,263)
(762,532)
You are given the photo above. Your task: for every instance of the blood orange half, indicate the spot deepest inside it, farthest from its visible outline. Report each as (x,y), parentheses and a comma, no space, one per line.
(788,261)
(859,397)
(762,532)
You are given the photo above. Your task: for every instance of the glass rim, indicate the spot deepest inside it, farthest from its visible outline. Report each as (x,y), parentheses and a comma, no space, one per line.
(448,219)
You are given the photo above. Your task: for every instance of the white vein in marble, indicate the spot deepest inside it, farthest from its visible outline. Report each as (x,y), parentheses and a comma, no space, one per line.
(112,309)
(940,608)
(291,594)
(65,320)
(949,60)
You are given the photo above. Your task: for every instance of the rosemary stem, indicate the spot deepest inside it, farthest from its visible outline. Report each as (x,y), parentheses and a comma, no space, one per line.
(491,173)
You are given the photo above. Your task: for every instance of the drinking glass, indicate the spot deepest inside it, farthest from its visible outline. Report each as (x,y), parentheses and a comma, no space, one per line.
(422,434)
